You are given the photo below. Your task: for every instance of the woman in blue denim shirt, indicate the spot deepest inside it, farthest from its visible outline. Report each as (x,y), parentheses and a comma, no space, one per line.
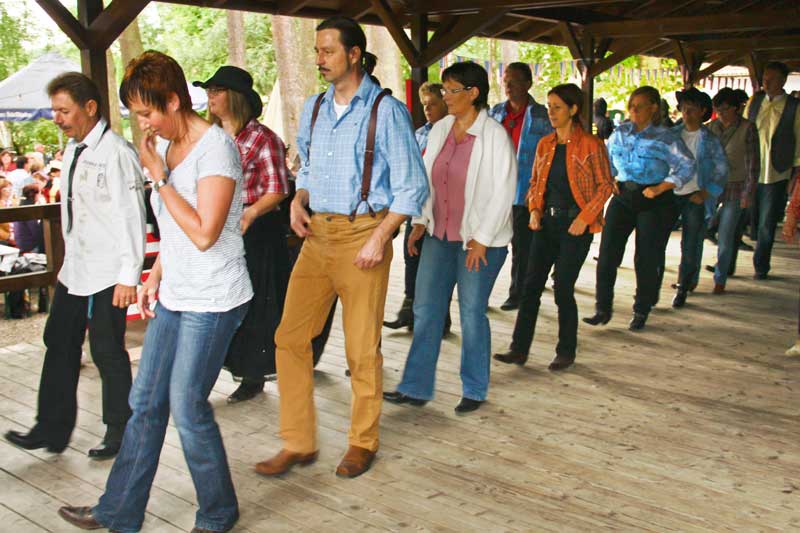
(649,161)
(203,294)
(697,199)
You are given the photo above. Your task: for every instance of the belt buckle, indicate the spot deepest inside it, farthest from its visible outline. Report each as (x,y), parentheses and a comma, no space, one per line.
(552,211)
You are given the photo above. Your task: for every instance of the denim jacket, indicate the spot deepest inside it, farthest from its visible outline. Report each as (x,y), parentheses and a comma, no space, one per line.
(712,166)
(535,126)
(650,156)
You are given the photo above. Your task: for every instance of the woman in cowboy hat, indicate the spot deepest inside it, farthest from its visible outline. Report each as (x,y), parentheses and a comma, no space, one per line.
(235,106)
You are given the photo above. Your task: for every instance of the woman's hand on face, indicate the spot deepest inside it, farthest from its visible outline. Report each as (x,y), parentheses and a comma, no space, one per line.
(578,227)
(476,254)
(149,157)
(416,234)
(147,296)
(535,222)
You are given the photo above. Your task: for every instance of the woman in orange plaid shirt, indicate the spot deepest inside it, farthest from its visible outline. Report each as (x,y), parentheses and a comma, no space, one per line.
(570,184)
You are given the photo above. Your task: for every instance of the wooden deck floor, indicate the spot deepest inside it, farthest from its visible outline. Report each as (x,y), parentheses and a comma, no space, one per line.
(691,425)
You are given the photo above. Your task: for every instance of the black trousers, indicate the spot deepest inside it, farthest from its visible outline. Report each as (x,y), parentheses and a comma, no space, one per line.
(652,219)
(552,246)
(64,334)
(771,204)
(411,262)
(520,250)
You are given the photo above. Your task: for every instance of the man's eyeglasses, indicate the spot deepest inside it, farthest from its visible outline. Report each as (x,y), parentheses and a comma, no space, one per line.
(455,91)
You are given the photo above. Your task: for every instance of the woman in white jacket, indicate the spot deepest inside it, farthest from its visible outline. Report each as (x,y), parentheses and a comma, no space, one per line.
(466,223)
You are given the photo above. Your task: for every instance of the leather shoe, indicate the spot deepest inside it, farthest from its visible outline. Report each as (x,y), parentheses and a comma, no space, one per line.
(400,398)
(247,390)
(105,450)
(637,322)
(511,357)
(679,300)
(711,268)
(760,275)
(718,289)
(284,461)
(405,317)
(599,318)
(510,304)
(30,441)
(355,462)
(561,362)
(81,517)
(467,405)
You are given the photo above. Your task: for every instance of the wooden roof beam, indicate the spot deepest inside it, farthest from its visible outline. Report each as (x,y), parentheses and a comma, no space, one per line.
(466,27)
(290,7)
(113,20)
(66,22)
(721,62)
(356,9)
(701,24)
(759,43)
(534,30)
(509,24)
(390,20)
(459,6)
(622,52)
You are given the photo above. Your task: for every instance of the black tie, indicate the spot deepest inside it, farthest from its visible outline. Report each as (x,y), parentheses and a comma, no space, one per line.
(78,150)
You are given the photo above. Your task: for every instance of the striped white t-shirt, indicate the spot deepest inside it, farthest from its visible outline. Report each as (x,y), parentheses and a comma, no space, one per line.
(215,280)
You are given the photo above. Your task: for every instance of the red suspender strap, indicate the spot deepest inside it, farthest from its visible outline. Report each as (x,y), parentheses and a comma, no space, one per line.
(369,156)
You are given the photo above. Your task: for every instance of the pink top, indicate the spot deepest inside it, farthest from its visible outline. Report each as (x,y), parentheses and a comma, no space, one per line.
(449,176)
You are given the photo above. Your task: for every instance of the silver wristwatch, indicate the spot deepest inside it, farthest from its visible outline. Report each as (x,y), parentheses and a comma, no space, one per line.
(160,183)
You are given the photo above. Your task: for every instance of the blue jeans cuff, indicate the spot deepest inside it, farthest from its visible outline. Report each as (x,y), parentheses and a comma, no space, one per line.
(108,522)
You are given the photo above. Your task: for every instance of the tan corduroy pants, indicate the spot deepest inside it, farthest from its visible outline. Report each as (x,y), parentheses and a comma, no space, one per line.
(324,270)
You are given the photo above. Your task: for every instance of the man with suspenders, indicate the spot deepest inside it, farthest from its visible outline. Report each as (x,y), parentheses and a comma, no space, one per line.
(361,175)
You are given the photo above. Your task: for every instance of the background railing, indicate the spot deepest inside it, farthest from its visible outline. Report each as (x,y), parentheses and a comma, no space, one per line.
(50,215)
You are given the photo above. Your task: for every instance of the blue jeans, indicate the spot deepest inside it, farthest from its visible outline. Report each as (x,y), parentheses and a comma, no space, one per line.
(181,359)
(770,204)
(441,267)
(694,231)
(727,239)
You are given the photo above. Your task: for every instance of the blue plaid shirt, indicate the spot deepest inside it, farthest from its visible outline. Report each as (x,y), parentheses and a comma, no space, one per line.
(422,136)
(535,126)
(332,175)
(650,156)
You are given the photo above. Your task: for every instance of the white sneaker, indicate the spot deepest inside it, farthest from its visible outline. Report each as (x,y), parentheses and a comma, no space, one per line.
(794,350)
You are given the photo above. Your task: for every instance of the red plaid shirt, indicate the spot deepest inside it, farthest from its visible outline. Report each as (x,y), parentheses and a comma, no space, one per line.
(263,162)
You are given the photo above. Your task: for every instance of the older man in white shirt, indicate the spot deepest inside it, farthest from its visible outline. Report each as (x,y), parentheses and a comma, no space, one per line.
(103,224)
(777,118)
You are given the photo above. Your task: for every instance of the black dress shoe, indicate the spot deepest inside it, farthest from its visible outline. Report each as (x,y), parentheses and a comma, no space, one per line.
(760,275)
(637,322)
(400,398)
(511,357)
(599,318)
(31,441)
(561,362)
(711,268)
(405,317)
(680,299)
(467,405)
(105,450)
(510,304)
(247,390)
(81,517)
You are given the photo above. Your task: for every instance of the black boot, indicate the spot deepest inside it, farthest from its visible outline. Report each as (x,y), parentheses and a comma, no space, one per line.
(637,322)
(599,318)
(680,298)
(405,317)
(247,390)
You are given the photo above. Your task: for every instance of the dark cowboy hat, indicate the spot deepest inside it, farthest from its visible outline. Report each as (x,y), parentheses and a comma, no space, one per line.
(235,79)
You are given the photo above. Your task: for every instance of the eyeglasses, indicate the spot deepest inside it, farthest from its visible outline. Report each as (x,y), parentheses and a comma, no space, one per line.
(215,90)
(455,91)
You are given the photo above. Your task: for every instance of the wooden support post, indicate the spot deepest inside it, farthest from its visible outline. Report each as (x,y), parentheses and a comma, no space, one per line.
(419,73)
(587,80)
(93,58)
(755,68)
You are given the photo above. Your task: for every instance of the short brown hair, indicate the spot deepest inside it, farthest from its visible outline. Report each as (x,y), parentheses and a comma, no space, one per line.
(79,87)
(434,89)
(152,77)
(571,95)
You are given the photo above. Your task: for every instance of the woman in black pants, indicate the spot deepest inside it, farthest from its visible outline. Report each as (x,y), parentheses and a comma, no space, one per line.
(570,184)
(649,161)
